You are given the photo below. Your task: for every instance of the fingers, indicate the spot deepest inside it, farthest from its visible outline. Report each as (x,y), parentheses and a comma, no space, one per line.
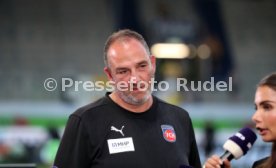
(213,162)
(226,164)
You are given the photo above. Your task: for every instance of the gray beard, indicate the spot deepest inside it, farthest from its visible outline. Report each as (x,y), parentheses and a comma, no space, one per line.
(134,101)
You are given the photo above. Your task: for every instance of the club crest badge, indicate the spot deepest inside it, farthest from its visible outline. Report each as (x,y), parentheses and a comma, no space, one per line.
(168,133)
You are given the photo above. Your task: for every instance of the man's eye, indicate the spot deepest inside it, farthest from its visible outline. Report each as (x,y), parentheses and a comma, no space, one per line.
(143,65)
(122,72)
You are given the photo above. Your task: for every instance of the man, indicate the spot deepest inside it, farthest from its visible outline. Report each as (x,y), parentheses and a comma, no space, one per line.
(128,128)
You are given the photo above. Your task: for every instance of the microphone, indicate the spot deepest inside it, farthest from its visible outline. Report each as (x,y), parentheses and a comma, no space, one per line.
(238,145)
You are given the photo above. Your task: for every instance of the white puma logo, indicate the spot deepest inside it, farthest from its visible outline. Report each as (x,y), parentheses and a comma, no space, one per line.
(117,130)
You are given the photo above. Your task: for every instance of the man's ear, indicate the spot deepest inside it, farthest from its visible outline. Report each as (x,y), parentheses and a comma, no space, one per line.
(108,73)
(153,63)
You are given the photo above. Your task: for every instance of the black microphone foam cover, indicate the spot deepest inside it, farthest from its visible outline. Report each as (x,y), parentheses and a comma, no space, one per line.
(240,143)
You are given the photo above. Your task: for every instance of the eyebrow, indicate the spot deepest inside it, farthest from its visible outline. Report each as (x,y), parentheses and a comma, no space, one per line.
(142,62)
(266,101)
(120,69)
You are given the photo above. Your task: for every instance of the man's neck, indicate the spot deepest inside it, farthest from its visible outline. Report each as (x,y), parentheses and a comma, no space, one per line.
(130,107)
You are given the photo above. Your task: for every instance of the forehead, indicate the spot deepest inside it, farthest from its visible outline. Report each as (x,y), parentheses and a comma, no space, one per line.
(265,93)
(126,50)
(125,43)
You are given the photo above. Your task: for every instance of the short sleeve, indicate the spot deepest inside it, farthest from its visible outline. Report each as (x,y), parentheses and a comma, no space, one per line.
(74,149)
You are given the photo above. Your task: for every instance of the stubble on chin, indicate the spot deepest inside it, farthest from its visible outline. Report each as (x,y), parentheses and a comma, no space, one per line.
(131,99)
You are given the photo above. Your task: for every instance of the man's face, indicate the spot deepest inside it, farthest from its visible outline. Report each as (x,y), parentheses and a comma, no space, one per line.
(131,69)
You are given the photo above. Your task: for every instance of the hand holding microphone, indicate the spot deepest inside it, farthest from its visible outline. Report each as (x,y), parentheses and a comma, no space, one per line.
(235,147)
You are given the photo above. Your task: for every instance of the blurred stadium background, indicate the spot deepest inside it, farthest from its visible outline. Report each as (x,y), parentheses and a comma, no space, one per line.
(65,38)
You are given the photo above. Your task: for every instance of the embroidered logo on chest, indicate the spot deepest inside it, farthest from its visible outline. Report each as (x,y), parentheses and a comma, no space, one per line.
(168,133)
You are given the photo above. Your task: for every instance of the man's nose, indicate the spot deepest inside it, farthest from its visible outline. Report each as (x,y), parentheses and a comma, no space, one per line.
(134,78)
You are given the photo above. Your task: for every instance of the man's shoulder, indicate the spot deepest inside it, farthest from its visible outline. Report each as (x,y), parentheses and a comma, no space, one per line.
(171,107)
(92,107)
